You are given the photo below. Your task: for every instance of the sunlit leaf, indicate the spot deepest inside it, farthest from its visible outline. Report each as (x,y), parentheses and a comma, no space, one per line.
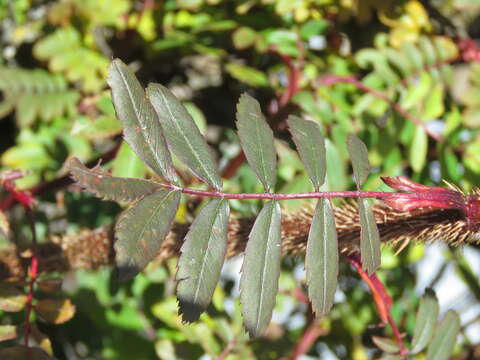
(386,344)
(247,74)
(359,157)
(418,149)
(141,229)
(127,164)
(21,352)
(183,136)
(55,311)
(321,259)
(261,270)
(311,147)
(142,128)
(426,320)
(369,237)
(4,223)
(108,187)
(201,259)
(12,299)
(8,332)
(445,335)
(256,138)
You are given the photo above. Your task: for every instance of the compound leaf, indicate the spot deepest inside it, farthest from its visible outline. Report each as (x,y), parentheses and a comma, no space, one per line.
(201,259)
(444,338)
(369,237)
(261,270)
(359,157)
(256,138)
(426,321)
(142,129)
(141,230)
(321,260)
(109,187)
(183,135)
(311,147)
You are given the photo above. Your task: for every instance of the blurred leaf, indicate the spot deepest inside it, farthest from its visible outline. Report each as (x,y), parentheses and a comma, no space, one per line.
(257,142)
(41,340)
(261,270)
(313,28)
(183,136)
(4,224)
(8,332)
(21,352)
(108,187)
(100,128)
(321,259)
(369,238)
(426,321)
(243,37)
(418,149)
(142,129)
(55,311)
(434,107)
(247,75)
(126,164)
(359,157)
(165,349)
(311,147)
(444,338)
(386,344)
(201,259)
(12,299)
(417,92)
(52,285)
(141,229)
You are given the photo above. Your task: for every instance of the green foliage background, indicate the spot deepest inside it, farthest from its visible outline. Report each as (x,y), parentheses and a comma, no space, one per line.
(55,104)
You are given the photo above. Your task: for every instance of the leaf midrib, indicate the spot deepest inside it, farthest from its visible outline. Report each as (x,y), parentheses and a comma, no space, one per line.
(199,279)
(262,278)
(180,130)
(137,114)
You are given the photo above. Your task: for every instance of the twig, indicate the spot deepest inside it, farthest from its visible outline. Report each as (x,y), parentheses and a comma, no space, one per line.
(313,332)
(228,349)
(383,301)
(333,79)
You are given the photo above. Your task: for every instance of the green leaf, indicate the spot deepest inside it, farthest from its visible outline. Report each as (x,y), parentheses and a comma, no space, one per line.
(369,237)
(359,157)
(434,106)
(108,187)
(444,338)
(417,91)
(247,74)
(141,230)
(321,259)
(426,320)
(127,164)
(386,344)
(8,332)
(418,149)
(183,135)
(21,352)
(261,270)
(12,299)
(55,311)
(311,147)
(243,37)
(201,259)
(142,129)
(257,140)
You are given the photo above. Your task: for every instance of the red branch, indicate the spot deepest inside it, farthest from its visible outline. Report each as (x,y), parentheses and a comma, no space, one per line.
(28,201)
(333,79)
(313,332)
(383,302)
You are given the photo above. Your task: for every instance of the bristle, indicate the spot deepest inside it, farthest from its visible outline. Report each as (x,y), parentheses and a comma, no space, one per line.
(89,249)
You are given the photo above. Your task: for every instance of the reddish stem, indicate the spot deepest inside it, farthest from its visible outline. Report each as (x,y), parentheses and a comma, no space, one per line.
(383,301)
(313,332)
(31,285)
(333,79)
